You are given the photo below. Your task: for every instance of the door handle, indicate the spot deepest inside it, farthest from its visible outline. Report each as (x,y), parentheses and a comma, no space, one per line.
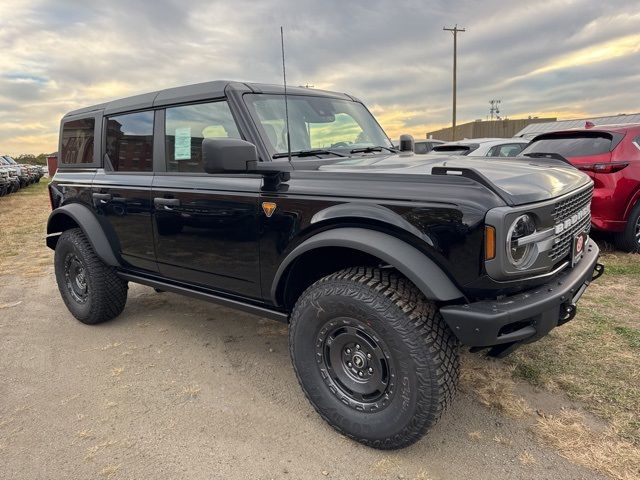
(166,202)
(104,197)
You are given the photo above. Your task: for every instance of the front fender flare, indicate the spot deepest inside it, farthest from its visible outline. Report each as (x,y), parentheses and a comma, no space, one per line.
(90,226)
(415,265)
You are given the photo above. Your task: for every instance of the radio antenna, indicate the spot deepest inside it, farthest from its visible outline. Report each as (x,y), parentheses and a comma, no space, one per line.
(286,104)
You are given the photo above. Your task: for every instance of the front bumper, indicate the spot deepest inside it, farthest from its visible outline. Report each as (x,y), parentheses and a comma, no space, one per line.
(524,317)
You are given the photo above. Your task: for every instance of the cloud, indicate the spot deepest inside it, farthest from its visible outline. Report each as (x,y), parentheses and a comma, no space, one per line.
(561,58)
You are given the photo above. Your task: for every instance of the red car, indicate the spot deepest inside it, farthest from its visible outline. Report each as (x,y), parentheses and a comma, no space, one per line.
(610,155)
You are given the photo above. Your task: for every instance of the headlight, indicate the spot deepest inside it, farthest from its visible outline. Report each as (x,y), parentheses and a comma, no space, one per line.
(521,256)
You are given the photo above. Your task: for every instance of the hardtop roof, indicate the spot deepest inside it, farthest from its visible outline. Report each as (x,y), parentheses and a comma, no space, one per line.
(197,92)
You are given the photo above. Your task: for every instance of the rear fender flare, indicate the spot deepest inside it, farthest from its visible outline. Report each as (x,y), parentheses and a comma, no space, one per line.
(412,263)
(635,198)
(90,226)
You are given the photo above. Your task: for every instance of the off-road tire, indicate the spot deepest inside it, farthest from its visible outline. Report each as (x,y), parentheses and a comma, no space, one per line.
(627,240)
(422,348)
(106,293)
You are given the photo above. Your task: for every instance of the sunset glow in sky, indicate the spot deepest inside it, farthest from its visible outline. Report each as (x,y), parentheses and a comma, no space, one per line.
(543,58)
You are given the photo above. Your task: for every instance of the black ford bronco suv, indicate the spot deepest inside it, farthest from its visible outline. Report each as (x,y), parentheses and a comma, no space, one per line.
(383,263)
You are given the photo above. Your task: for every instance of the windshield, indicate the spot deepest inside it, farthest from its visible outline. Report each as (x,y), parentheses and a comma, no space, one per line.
(315,123)
(572,145)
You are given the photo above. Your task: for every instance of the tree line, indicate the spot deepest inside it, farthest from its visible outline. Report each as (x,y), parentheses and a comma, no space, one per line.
(32,159)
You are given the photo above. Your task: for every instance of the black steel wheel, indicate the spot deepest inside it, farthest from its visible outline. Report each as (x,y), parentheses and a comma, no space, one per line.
(373,356)
(75,280)
(357,362)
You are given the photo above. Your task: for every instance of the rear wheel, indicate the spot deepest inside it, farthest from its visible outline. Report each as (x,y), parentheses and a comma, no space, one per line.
(91,289)
(629,239)
(373,356)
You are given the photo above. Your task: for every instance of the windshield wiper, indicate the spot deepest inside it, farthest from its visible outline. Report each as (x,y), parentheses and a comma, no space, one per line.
(309,153)
(372,149)
(555,156)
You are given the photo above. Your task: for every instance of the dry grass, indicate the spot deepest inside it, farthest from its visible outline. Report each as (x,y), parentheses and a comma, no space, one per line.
(604,452)
(526,458)
(190,391)
(594,359)
(491,381)
(23,220)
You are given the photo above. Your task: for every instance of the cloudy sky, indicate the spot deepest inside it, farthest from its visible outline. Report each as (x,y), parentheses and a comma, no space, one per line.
(560,58)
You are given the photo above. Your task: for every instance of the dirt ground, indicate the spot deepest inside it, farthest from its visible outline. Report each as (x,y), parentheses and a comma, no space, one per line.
(179,388)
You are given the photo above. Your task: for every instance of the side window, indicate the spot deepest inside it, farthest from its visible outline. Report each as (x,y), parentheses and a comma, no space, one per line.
(188,126)
(421,147)
(77,141)
(130,142)
(507,150)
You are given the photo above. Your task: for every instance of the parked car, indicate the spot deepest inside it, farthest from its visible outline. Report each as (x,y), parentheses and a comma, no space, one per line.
(5,183)
(28,173)
(610,155)
(15,174)
(483,147)
(382,267)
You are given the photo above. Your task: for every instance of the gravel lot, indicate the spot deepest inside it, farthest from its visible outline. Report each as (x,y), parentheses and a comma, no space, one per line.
(179,388)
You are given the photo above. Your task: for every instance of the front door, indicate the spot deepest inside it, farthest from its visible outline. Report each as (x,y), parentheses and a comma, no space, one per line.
(206,226)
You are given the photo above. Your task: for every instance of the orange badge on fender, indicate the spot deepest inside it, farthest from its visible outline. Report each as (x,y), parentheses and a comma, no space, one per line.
(268,208)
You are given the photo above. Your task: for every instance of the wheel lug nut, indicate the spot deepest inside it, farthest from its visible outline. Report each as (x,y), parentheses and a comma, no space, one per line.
(360,373)
(348,350)
(368,355)
(357,347)
(370,370)
(349,364)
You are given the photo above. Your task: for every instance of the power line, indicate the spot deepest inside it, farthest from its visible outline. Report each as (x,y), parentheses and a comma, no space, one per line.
(454,31)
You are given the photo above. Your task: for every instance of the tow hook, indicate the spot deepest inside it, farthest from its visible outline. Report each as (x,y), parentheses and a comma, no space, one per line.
(598,270)
(568,312)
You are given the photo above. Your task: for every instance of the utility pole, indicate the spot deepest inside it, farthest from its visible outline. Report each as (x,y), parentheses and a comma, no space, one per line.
(454,31)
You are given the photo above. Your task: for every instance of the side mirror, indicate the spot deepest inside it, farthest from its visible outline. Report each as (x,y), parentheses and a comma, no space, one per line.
(227,155)
(407,143)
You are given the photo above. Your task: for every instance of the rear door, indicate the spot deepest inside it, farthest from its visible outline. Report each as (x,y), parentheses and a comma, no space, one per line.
(206,227)
(122,189)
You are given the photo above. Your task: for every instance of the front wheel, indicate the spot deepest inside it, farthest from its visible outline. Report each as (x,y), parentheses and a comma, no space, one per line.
(91,289)
(373,356)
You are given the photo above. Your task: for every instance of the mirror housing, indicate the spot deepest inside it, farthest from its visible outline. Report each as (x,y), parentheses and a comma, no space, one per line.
(407,143)
(228,155)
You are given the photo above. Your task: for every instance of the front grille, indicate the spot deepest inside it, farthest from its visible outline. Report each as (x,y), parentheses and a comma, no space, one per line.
(564,210)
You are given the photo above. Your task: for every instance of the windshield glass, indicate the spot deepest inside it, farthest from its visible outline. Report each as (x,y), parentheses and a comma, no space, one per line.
(572,145)
(315,123)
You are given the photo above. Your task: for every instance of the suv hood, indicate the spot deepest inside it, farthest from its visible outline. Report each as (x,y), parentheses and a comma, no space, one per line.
(516,180)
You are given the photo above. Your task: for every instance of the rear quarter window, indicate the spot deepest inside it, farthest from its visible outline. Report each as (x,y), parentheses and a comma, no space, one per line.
(76,145)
